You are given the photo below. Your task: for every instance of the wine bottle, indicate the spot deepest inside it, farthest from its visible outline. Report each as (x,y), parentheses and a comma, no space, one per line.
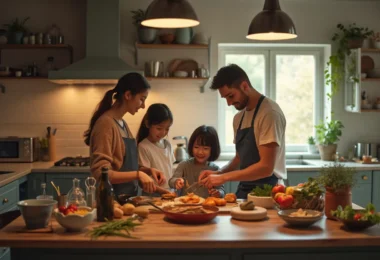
(104,198)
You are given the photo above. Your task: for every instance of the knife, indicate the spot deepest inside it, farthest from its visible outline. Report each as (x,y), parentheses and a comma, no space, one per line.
(193,187)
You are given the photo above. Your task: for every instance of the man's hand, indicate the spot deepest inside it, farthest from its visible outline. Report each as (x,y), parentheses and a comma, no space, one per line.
(158,176)
(213,180)
(206,173)
(214,193)
(179,183)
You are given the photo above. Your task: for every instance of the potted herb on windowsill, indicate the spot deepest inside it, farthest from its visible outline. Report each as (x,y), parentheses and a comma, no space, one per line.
(338,181)
(327,136)
(311,145)
(348,38)
(145,34)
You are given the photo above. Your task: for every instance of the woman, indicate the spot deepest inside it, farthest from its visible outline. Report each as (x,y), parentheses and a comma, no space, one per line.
(111,142)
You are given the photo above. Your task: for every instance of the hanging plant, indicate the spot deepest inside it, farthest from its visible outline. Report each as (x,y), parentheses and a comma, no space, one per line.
(347,38)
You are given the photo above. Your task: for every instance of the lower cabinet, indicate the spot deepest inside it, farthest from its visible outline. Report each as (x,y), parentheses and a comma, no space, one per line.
(376,190)
(62,179)
(5,253)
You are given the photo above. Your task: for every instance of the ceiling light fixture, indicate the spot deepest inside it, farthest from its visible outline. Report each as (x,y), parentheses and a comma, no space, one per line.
(271,24)
(170,14)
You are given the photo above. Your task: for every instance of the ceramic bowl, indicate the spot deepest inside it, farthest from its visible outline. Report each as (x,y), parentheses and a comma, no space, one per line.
(36,213)
(355,225)
(75,222)
(264,202)
(300,221)
(180,74)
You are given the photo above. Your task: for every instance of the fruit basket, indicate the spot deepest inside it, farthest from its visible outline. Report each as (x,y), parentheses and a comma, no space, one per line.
(306,195)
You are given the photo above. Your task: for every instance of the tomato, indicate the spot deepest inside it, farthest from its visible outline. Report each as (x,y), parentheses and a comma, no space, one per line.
(73,206)
(278,188)
(67,211)
(62,209)
(357,216)
(285,201)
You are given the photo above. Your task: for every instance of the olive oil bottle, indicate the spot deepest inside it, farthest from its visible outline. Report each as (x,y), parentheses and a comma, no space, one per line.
(104,198)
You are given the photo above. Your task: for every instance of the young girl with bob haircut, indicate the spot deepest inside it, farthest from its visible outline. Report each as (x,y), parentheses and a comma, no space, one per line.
(203,149)
(111,142)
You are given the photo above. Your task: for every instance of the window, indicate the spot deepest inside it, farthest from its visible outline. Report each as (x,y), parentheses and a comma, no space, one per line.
(292,75)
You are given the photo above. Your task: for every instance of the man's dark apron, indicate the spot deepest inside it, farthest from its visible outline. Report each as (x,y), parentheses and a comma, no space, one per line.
(130,163)
(248,152)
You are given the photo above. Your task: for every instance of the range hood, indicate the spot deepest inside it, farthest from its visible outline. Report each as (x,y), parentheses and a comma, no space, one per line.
(102,64)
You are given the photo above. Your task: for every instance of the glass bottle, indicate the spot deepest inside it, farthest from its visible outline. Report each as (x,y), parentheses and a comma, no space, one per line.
(76,195)
(44,196)
(49,66)
(104,198)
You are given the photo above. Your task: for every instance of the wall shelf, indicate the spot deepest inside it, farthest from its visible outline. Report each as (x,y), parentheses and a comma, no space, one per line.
(371,79)
(171,46)
(370,50)
(370,110)
(20,78)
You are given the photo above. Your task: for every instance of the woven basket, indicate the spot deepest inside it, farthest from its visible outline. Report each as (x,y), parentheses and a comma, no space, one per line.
(316,203)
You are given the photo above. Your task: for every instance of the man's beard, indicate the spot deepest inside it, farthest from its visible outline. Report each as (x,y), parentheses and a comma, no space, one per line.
(241,105)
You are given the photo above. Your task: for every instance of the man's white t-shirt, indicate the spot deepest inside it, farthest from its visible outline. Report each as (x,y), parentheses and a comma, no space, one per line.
(269,127)
(161,158)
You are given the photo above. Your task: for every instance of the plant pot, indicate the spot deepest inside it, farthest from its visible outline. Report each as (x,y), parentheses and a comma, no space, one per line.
(327,151)
(183,35)
(355,43)
(313,149)
(334,199)
(15,37)
(146,34)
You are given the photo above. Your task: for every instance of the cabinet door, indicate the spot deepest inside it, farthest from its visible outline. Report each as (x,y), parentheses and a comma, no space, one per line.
(295,178)
(5,253)
(64,181)
(376,190)
(34,184)
(9,196)
(361,193)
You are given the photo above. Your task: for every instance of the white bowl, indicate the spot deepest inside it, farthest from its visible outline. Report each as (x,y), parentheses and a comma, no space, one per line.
(180,74)
(75,222)
(36,213)
(264,202)
(363,75)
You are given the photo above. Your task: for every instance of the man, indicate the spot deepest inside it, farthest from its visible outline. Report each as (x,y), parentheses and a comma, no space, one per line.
(259,140)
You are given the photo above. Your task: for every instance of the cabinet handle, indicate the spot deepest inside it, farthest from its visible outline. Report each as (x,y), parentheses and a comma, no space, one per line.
(364,177)
(5,200)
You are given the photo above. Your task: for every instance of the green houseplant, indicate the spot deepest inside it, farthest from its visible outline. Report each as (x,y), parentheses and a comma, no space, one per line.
(145,34)
(338,181)
(312,145)
(347,38)
(327,135)
(16,30)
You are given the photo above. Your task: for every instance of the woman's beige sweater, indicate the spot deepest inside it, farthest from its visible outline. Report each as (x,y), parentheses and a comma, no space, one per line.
(106,146)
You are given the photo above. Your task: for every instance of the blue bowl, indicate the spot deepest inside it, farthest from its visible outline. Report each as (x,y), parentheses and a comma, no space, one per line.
(36,213)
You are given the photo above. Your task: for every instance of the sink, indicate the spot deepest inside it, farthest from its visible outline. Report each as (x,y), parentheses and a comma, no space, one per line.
(296,162)
(6,172)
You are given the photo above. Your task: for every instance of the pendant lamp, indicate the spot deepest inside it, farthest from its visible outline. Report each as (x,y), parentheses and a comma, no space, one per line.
(271,24)
(170,14)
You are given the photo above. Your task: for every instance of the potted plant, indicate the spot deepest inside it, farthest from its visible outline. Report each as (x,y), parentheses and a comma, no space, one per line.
(327,135)
(262,197)
(16,30)
(348,38)
(145,34)
(338,181)
(312,146)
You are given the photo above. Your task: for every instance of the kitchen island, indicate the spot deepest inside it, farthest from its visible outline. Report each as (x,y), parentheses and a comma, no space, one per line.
(222,238)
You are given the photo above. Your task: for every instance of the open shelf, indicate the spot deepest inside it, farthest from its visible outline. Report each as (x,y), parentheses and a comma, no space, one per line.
(370,110)
(171,46)
(35,46)
(371,79)
(18,78)
(370,50)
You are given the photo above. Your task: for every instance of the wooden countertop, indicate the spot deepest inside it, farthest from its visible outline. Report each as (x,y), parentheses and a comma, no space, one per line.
(222,232)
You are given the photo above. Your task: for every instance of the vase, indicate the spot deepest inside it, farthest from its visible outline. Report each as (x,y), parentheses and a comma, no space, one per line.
(333,199)
(183,35)
(146,34)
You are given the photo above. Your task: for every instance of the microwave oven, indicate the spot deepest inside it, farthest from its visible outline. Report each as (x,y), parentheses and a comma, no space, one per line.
(19,149)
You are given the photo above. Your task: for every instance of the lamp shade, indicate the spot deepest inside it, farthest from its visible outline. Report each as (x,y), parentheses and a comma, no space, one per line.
(170,14)
(271,24)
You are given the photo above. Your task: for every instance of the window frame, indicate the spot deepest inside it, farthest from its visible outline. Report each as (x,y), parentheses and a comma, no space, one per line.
(322,106)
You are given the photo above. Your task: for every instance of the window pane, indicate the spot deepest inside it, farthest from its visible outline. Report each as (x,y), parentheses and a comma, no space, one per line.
(254,66)
(295,83)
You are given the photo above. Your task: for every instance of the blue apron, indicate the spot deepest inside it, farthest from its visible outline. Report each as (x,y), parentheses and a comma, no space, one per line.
(248,152)
(130,163)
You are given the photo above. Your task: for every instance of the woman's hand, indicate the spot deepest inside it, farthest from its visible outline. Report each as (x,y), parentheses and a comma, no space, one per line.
(158,176)
(214,193)
(147,183)
(206,173)
(179,183)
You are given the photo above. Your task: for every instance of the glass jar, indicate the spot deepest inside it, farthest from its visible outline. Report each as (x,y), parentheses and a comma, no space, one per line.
(76,195)
(44,196)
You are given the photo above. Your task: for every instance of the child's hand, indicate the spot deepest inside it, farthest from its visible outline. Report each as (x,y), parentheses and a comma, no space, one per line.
(214,193)
(179,183)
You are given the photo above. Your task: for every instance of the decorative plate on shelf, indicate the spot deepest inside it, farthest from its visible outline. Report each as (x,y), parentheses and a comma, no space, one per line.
(367,64)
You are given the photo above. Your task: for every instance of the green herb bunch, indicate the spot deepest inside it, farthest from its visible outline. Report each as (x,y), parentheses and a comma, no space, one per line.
(329,132)
(337,177)
(119,228)
(310,189)
(368,214)
(266,191)
(17,26)
(311,140)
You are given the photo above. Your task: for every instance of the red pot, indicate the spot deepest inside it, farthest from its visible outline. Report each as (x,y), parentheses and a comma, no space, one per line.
(334,199)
